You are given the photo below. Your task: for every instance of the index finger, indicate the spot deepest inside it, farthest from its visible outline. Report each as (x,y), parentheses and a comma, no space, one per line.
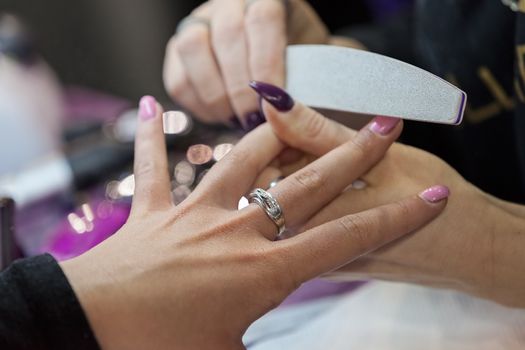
(152,180)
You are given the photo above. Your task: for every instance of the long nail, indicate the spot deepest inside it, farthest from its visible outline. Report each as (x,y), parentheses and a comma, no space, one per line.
(435,194)
(147,107)
(383,125)
(276,96)
(253,120)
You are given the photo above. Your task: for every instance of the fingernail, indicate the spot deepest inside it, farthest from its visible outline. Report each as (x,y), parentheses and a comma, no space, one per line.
(435,194)
(383,125)
(274,95)
(253,120)
(147,107)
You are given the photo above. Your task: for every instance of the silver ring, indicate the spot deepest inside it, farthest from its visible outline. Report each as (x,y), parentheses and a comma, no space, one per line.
(270,206)
(191,20)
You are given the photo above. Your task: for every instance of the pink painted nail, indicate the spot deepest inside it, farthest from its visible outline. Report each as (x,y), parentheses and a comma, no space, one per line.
(435,194)
(147,107)
(383,125)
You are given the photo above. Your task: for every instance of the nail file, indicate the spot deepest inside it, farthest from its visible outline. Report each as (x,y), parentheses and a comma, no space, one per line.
(350,80)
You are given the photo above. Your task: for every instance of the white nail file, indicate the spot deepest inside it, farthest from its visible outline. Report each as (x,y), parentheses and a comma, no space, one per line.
(349,80)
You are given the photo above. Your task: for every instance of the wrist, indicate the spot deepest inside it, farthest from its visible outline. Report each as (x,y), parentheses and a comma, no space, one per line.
(95,290)
(501,234)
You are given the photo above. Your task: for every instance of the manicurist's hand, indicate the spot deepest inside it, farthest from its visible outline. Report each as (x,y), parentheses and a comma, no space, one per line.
(223,44)
(476,246)
(196,275)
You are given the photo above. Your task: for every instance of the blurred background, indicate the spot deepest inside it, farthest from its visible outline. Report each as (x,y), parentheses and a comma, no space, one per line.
(118,45)
(71,74)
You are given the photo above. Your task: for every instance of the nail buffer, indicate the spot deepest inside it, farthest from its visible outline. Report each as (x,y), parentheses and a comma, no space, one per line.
(349,80)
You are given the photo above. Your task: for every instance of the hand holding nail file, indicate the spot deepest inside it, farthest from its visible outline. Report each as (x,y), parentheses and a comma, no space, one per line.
(349,80)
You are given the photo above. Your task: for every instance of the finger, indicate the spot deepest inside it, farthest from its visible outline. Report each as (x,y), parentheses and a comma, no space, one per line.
(265,23)
(230,47)
(334,244)
(305,192)
(152,181)
(306,129)
(267,177)
(194,46)
(179,86)
(230,178)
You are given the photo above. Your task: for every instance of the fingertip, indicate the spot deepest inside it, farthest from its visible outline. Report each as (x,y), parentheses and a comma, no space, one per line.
(274,95)
(148,107)
(385,126)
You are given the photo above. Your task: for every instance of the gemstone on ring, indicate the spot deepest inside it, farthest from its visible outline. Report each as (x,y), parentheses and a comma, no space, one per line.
(270,206)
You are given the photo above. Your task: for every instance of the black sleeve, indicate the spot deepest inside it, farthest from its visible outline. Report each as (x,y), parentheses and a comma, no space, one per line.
(395,37)
(39,310)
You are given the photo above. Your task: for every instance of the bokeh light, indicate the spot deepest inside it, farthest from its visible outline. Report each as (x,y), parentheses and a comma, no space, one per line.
(184,173)
(126,187)
(220,151)
(176,123)
(199,154)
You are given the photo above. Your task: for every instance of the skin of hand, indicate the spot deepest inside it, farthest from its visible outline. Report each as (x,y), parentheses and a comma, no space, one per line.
(476,246)
(209,62)
(196,275)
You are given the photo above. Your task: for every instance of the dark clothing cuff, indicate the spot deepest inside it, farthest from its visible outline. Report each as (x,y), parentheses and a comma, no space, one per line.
(39,310)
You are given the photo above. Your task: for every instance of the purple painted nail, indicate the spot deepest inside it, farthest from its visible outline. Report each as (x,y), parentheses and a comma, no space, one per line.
(383,125)
(147,107)
(435,194)
(253,120)
(276,96)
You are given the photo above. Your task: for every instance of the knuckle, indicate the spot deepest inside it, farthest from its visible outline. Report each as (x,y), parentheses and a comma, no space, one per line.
(240,157)
(402,208)
(313,124)
(358,229)
(228,30)
(401,214)
(192,39)
(144,168)
(311,179)
(264,12)
(358,147)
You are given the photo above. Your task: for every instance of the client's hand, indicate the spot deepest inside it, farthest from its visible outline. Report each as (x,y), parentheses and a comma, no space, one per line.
(476,246)
(196,275)
(224,44)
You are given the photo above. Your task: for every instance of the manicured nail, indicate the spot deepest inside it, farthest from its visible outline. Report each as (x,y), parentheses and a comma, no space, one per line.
(253,120)
(147,107)
(276,96)
(435,194)
(383,125)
